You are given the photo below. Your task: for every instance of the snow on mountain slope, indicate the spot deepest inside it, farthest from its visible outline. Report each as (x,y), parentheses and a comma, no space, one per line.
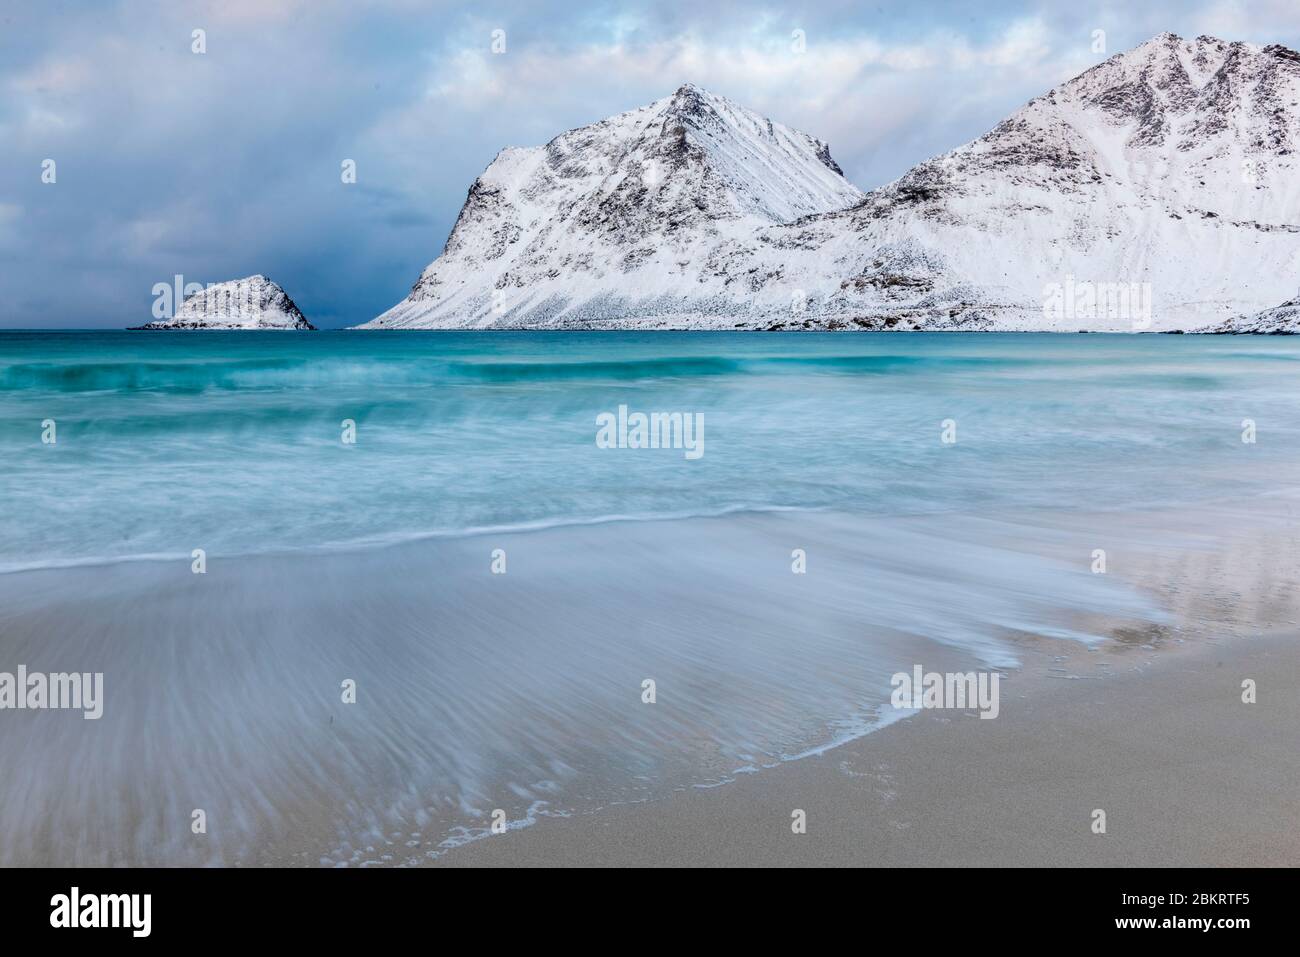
(612,221)
(253,302)
(1283,320)
(1157,190)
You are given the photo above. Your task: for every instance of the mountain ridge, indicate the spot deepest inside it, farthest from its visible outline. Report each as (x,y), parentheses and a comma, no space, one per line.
(1162,176)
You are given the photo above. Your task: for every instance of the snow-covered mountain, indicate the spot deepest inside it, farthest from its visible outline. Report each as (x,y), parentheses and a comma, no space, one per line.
(623,220)
(253,302)
(1157,190)
(1283,320)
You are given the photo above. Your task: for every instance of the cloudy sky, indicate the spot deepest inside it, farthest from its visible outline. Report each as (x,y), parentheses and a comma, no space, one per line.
(227,163)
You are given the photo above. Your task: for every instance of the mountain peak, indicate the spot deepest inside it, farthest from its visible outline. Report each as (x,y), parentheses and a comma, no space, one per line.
(690,101)
(1165,38)
(628,201)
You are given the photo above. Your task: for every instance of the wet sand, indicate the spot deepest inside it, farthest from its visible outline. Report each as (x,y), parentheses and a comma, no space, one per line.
(523,692)
(1187,774)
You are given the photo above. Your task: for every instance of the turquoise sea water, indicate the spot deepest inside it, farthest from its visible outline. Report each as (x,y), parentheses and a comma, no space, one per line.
(231,442)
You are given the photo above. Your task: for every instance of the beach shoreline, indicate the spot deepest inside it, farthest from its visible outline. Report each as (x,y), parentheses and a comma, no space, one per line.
(521,695)
(1187,773)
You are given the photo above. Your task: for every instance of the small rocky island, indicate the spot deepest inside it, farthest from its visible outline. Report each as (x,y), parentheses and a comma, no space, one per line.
(254,302)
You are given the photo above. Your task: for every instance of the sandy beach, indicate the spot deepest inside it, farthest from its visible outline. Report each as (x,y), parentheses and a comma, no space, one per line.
(520,697)
(1149,726)
(1188,776)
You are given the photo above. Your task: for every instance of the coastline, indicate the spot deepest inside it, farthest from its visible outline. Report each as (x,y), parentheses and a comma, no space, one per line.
(523,692)
(1189,776)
